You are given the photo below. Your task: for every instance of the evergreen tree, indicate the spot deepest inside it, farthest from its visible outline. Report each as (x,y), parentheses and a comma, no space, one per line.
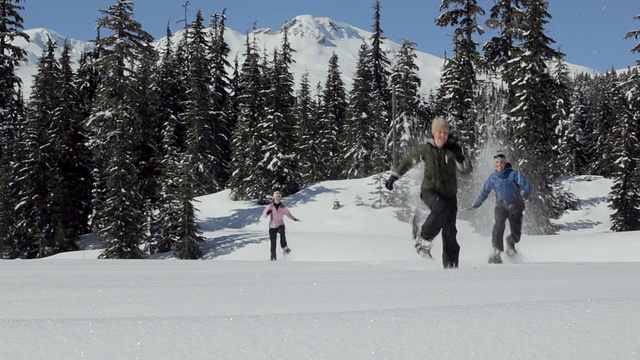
(221,100)
(278,164)
(608,106)
(34,227)
(460,82)
(199,116)
(171,94)
(245,182)
(380,102)
(625,137)
(312,165)
(634,34)
(500,51)
(406,83)
(333,112)
(576,134)
(119,219)
(11,106)
(534,131)
(359,132)
(70,175)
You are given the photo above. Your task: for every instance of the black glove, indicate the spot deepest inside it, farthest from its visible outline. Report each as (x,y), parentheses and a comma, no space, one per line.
(389,183)
(269,212)
(456,150)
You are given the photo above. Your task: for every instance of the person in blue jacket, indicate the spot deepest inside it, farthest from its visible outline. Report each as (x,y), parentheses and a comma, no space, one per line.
(511,189)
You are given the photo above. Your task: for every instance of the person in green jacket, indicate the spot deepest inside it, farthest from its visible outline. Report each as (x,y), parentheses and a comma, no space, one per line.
(443,159)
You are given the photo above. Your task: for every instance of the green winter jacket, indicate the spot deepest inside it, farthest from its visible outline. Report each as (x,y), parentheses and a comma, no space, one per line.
(440,168)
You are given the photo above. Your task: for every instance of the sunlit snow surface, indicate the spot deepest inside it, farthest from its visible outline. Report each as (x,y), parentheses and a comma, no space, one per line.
(353,288)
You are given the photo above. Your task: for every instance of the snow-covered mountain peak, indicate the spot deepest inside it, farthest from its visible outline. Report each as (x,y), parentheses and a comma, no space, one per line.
(322,30)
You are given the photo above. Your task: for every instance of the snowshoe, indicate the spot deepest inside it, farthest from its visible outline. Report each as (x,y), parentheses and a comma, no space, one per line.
(286,250)
(423,248)
(495,258)
(511,252)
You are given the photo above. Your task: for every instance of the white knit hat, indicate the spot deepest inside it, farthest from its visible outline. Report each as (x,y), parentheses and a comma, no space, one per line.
(277,193)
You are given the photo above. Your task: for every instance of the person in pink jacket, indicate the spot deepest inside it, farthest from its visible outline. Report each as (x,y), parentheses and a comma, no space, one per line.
(277,211)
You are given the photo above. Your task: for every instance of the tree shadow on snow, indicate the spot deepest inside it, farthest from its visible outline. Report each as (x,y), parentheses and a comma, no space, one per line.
(239,219)
(577,225)
(593,201)
(225,245)
(308,195)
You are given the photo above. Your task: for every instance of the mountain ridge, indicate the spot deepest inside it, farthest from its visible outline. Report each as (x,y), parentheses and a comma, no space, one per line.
(314,40)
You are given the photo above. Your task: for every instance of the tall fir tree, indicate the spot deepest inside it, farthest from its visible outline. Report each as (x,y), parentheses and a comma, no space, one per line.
(199,116)
(245,182)
(333,112)
(11,112)
(405,82)
(221,98)
(312,165)
(359,130)
(624,134)
(533,129)
(460,83)
(501,50)
(119,218)
(380,104)
(278,165)
(35,154)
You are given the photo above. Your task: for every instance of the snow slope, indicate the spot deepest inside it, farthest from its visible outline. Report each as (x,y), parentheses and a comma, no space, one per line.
(353,288)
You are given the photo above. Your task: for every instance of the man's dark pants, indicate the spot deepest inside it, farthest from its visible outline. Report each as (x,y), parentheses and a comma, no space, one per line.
(442,217)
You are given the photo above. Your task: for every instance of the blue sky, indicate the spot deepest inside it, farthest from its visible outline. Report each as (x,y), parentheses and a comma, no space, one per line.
(590,32)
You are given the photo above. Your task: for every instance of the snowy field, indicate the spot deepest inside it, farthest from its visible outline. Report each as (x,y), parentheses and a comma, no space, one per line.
(353,288)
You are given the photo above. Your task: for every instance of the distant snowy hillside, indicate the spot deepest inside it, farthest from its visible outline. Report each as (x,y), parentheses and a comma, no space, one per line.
(314,40)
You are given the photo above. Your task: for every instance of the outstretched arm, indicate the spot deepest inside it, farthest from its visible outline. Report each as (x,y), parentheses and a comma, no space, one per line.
(486,189)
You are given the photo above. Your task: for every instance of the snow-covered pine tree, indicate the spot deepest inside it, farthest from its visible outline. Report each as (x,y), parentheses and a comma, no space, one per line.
(171,94)
(534,130)
(460,84)
(279,165)
(312,165)
(221,99)
(624,134)
(359,130)
(245,142)
(561,116)
(334,108)
(405,82)
(499,51)
(199,117)
(608,107)
(578,128)
(380,104)
(35,155)
(11,111)
(70,194)
(625,193)
(119,219)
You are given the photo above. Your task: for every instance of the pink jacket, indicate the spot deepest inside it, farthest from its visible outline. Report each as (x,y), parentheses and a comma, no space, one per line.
(277,215)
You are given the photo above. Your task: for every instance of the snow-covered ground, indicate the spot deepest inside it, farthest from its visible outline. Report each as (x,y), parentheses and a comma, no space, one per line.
(353,288)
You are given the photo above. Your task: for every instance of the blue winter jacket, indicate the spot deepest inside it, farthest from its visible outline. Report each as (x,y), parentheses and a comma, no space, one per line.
(506,184)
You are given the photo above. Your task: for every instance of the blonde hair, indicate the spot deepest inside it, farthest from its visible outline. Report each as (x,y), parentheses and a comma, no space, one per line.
(439,124)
